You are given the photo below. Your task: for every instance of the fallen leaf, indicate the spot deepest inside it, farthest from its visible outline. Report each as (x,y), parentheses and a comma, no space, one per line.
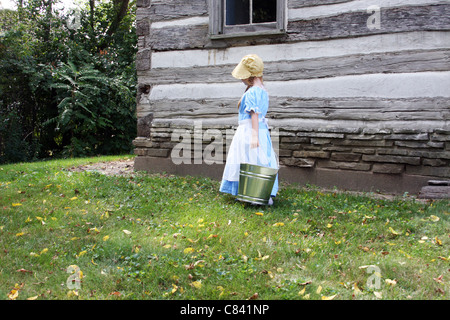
(319,289)
(278,224)
(259,213)
(394,232)
(390,282)
(328,298)
(356,290)
(16,204)
(437,241)
(188,250)
(32,298)
(438,279)
(434,218)
(126,231)
(254,296)
(13,294)
(24,271)
(197,284)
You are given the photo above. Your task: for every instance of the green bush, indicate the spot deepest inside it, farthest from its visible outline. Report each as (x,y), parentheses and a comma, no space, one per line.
(65,91)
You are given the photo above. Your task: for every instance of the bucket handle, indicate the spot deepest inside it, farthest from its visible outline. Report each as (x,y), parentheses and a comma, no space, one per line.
(260,155)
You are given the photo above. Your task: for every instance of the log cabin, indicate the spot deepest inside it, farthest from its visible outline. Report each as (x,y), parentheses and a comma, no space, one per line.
(359,90)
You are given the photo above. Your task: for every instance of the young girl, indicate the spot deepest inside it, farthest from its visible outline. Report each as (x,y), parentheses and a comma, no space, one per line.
(252,138)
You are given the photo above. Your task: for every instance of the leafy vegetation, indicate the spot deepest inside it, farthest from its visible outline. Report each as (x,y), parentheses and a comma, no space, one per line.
(68,80)
(84,235)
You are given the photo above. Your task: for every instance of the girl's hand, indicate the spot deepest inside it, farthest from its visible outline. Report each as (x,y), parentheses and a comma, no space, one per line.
(255,141)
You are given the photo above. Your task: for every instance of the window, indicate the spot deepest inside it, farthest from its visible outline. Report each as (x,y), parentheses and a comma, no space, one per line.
(232,18)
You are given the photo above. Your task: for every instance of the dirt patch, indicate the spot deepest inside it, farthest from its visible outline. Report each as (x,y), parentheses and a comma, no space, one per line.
(111,168)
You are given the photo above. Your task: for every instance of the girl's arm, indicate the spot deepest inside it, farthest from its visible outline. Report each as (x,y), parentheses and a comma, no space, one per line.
(255,130)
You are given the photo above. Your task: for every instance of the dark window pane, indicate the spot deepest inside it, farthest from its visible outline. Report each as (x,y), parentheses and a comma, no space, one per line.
(237,12)
(264,11)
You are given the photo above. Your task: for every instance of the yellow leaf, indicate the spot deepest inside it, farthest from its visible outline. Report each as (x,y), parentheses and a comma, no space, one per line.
(391,282)
(434,218)
(32,298)
(356,290)
(13,294)
(167,246)
(16,204)
(259,213)
(72,293)
(302,292)
(319,289)
(74,198)
(20,234)
(44,251)
(328,298)
(393,231)
(105,238)
(278,224)
(188,250)
(437,241)
(32,254)
(126,231)
(82,253)
(197,284)
(329,225)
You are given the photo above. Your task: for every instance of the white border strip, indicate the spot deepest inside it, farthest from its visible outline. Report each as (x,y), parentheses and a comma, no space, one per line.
(309,13)
(304,50)
(389,86)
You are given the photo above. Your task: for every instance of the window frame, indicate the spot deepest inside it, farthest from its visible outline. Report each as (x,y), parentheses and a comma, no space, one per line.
(218,29)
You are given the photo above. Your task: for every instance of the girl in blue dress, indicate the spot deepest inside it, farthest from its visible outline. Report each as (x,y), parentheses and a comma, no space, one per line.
(251,142)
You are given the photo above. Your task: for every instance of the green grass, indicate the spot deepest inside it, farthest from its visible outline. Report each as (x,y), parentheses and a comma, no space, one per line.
(167,237)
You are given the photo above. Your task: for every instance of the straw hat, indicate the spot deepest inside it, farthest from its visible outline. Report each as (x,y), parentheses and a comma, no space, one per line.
(250,66)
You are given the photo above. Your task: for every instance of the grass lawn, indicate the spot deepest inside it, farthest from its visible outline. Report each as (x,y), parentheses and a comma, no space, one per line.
(85,235)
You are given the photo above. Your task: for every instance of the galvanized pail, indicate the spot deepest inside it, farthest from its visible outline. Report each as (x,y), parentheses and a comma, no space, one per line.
(255,183)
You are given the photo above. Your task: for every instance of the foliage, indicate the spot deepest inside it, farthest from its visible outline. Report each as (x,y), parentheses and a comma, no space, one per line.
(142,236)
(65,89)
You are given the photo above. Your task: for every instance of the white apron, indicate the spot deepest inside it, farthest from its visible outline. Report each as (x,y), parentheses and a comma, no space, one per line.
(240,151)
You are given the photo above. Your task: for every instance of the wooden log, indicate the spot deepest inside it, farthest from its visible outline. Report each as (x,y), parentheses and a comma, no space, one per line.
(384,62)
(293,4)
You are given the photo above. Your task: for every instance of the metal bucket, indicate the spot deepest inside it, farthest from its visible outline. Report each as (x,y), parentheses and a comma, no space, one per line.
(255,183)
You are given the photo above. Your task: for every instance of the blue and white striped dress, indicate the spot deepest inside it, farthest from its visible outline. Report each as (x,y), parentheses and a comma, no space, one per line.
(254,99)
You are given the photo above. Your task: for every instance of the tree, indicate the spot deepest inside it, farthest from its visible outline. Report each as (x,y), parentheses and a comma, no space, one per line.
(71,92)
